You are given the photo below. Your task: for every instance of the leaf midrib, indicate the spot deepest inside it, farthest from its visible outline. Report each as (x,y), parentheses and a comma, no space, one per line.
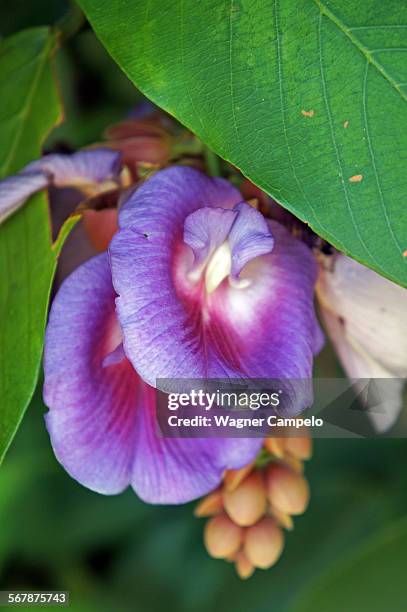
(356,42)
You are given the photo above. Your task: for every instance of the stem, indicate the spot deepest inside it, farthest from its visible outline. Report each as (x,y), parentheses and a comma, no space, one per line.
(71,22)
(212,162)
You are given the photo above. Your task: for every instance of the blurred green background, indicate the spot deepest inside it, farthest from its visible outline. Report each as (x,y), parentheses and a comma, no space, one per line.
(348,552)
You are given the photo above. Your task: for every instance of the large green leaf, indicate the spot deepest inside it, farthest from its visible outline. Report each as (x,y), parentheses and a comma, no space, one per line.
(307,97)
(29,108)
(371,578)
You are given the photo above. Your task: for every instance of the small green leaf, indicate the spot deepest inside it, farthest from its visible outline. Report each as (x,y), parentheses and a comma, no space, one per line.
(307,97)
(29,108)
(371,578)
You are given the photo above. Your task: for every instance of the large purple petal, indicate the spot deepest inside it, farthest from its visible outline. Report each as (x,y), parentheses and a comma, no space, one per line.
(102,415)
(142,254)
(266,330)
(92,408)
(178,470)
(159,207)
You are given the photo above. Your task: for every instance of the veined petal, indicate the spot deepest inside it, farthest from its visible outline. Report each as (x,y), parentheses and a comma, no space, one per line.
(83,168)
(101,415)
(160,206)
(268,329)
(384,399)
(178,470)
(365,316)
(15,190)
(265,330)
(151,226)
(373,310)
(91,419)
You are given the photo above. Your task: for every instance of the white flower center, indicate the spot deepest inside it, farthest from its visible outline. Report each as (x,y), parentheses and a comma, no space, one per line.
(219,267)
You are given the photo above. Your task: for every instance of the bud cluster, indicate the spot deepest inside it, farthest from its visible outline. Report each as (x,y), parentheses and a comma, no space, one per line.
(252,506)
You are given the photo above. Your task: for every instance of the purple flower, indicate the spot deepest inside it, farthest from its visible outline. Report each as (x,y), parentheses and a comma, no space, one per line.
(207,288)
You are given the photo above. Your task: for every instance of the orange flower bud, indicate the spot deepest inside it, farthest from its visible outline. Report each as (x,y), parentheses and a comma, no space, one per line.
(247,503)
(232,478)
(299,447)
(222,537)
(244,567)
(287,491)
(275,446)
(263,543)
(283,519)
(295,464)
(209,505)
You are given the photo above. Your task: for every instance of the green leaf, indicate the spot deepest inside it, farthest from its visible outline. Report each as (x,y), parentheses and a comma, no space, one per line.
(301,95)
(371,578)
(29,108)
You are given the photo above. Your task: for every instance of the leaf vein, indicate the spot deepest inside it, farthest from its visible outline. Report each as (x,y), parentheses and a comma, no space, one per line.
(335,144)
(373,158)
(283,117)
(324,10)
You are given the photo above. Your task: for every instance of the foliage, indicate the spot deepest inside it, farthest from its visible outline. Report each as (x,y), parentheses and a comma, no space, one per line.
(302,95)
(27,255)
(306,97)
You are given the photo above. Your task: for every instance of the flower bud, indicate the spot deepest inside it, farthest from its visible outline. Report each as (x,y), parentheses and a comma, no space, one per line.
(247,502)
(287,491)
(283,519)
(244,567)
(275,446)
(263,543)
(295,464)
(140,141)
(232,478)
(222,537)
(299,447)
(210,505)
